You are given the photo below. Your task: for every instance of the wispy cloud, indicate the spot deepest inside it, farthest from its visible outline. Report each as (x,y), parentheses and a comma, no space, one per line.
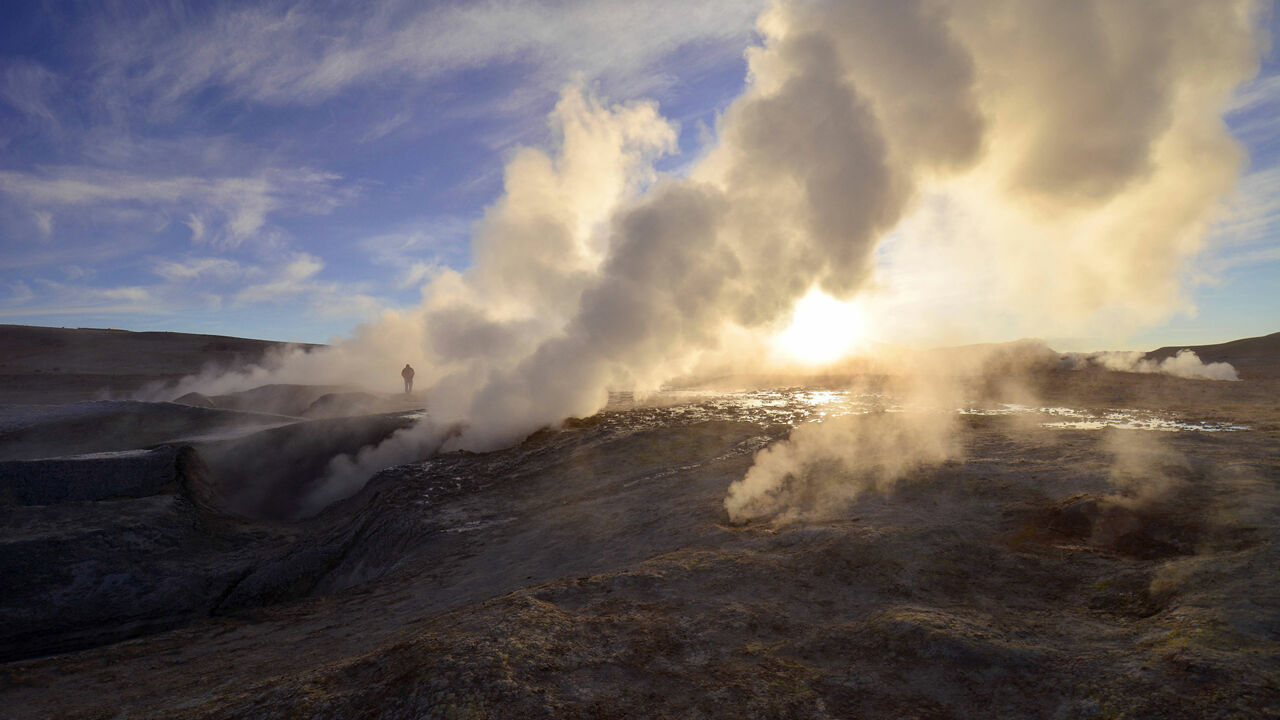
(215,268)
(189,147)
(440,241)
(297,281)
(239,205)
(417,274)
(1261,92)
(82,310)
(1252,215)
(386,127)
(1254,115)
(200,284)
(292,279)
(19,293)
(56,298)
(303,54)
(341,305)
(44,222)
(28,87)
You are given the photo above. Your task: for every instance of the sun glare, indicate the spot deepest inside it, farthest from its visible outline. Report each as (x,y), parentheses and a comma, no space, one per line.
(822,330)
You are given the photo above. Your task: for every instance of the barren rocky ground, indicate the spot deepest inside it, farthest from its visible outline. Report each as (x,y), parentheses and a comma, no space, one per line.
(592,572)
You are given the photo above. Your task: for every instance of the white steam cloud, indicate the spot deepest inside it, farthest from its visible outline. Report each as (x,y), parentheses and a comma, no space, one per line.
(1038,163)
(1184,364)
(826,464)
(1144,470)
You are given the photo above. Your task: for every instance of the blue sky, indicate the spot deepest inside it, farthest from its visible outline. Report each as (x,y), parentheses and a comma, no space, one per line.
(284,170)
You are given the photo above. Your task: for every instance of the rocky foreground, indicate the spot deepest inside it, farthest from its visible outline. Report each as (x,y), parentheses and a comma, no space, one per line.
(592,572)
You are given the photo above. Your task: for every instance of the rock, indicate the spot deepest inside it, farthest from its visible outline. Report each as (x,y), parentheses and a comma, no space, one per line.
(195,399)
(292,400)
(82,574)
(270,475)
(346,404)
(29,432)
(79,478)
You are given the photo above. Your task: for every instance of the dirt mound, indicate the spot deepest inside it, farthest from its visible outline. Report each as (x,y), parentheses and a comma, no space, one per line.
(1111,524)
(292,400)
(134,473)
(347,404)
(195,399)
(103,548)
(85,573)
(269,475)
(42,431)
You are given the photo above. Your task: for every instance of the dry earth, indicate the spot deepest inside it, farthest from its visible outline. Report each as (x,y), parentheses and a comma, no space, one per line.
(42,365)
(591,572)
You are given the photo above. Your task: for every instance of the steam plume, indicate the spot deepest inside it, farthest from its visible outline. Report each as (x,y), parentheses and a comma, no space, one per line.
(825,465)
(1055,165)
(1185,364)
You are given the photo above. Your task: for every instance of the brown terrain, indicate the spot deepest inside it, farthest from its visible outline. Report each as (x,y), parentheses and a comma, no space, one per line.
(1087,570)
(45,365)
(1253,358)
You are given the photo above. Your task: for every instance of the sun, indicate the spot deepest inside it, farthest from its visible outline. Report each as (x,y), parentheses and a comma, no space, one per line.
(822,330)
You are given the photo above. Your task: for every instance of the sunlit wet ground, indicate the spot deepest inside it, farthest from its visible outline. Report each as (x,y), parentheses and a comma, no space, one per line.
(795,406)
(1126,419)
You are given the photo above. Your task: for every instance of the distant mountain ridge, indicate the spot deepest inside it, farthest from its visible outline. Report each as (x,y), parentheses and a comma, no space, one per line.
(50,364)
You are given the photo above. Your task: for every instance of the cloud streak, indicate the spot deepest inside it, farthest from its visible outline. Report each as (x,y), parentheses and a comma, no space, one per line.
(282,53)
(240,205)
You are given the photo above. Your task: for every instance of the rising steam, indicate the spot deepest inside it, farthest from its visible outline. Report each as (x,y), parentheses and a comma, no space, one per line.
(824,465)
(1055,165)
(1184,364)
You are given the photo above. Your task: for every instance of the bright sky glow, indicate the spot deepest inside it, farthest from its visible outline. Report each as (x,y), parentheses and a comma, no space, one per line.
(822,330)
(286,170)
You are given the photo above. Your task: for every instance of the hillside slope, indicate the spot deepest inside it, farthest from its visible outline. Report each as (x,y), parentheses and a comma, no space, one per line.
(57,365)
(1254,358)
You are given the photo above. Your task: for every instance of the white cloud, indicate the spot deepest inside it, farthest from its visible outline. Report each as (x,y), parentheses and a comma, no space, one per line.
(339,304)
(28,87)
(241,204)
(44,222)
(82,310)
(1261,92)
(197,227)
(287,54)
(55,298)
(1246,235)
(292,279)
(443,240)
(417,274)
(215,268)
(385,127)
(19,293)
(132,293)
(206,284)
(1253,212)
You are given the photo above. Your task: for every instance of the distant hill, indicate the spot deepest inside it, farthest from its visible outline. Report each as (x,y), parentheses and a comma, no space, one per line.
(47,364)
(1253,358)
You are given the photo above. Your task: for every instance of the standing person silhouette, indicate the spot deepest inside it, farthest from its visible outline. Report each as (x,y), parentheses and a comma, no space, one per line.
(407,374)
